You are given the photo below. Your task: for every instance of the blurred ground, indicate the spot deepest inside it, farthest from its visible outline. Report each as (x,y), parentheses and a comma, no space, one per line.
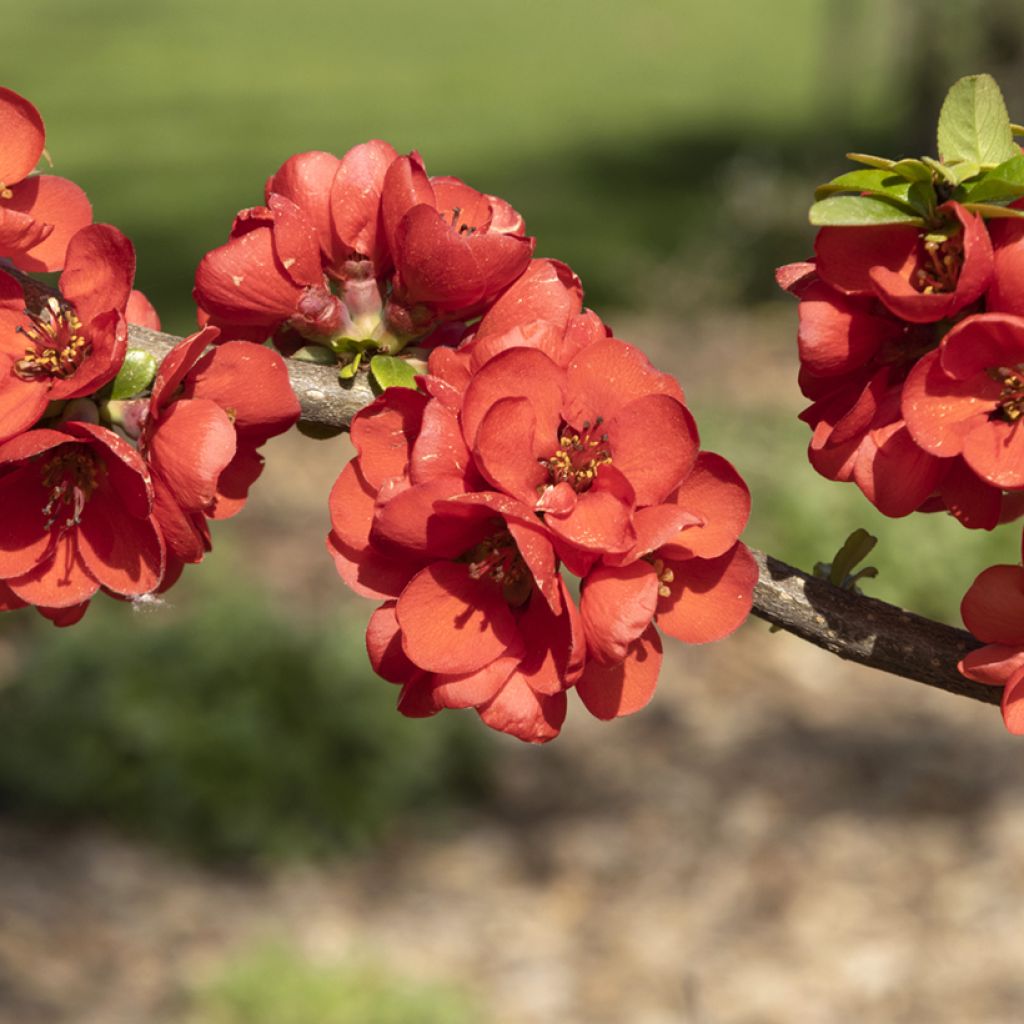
(779,838)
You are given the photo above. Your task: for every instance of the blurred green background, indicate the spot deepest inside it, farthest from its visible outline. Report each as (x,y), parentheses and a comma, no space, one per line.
(666,150)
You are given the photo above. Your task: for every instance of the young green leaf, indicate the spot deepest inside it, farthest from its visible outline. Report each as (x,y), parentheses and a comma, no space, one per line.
(881,162)
(1001,184)
(912,170)
(974,125)
(872,181)
(861,211)
(392,372)
(136,374)
(990,211)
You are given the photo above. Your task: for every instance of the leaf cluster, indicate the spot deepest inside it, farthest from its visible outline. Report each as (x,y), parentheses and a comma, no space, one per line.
(979,165)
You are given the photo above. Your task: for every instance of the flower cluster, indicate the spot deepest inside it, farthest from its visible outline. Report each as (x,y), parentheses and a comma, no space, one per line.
(107,478)
(911,342)
(362,253)
(539,445)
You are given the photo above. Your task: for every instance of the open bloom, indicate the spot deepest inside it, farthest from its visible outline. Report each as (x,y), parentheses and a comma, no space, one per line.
(38,212)
(967,397)
(208,416)
(918,276)
(77,517)
(68,348)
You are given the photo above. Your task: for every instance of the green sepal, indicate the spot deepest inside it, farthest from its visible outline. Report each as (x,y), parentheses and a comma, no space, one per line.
(862,211)
(349,370)
(965,170)
(136,374)
(392,372)
(974,125)
(1001,184)
(884,163)
(319,354)
(1017,129)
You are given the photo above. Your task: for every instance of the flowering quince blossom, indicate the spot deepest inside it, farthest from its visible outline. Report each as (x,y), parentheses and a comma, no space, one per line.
(72,348)
(537,445)
(78,507)
(38,212)
(207,417)
(363,253)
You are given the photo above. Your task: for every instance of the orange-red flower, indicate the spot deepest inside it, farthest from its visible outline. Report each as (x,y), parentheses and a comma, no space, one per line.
(72,347)
(77,507)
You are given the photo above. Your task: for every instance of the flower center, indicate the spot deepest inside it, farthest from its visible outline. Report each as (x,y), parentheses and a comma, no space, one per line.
(940,266)
(497,558)
(58,347)
(579,456)
(1011,399)
(70,476)
(460,226)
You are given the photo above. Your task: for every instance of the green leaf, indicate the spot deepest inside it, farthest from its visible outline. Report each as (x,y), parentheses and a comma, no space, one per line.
(974,125)
(989,211)
(872,161)
(1002,183)
(861,211)
(873,180)
(319,354)
(392,372)
(349,370)
(136,374)
(944,172)
(912,170)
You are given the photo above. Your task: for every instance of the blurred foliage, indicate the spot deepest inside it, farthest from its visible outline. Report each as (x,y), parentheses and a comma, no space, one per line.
(227,731)
(273,985)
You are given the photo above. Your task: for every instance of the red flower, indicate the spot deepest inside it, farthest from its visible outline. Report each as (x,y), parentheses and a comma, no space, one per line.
(687,572)
(454,248)
(585,445)
(77,517)
(916,278)
(967,397)
(67,349)
(207,417)
(38,214)
(993,610)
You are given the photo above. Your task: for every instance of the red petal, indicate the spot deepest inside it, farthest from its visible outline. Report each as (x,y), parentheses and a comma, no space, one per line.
(141,311)
(384,433)
(509,446)
(121,552)
(617,605)
(548,290)
(708,598)
(234,483)
(993,664)
(405,185)
(22,402)
(306,180)
(845,256)
(606,376)
(24,539)
(653,441)
(470,689)
(439,449)
(993,607)
(940,410)
(715,493)
(55,201)
(516,373)
(295,242)
(453,623)
(250,383)
(98,272)
(521,712)
(60,580)
(22,130)
(191,446)
(19,232)
(356,201)
(896,475)
(384,646)
(610,691)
